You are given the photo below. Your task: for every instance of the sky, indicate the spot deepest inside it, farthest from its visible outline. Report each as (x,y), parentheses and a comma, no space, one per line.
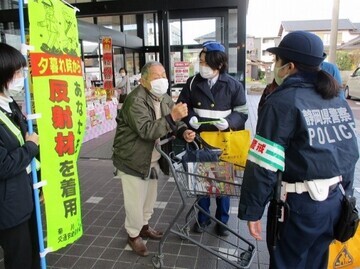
(264,16)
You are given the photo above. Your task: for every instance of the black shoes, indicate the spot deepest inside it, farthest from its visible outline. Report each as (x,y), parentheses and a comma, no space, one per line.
(221,230)
(199,228)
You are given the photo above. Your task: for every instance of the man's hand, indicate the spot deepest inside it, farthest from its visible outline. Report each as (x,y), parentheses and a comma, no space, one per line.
(255,229)
(179,111)
(189,135)
(32,137)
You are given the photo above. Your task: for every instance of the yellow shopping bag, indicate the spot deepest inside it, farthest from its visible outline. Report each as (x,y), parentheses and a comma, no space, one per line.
(345,255)
(234,145)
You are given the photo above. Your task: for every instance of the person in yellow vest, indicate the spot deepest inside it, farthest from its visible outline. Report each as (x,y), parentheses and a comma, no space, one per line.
(18,231)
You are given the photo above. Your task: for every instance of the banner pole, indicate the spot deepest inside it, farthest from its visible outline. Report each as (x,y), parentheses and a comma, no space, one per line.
(30,130)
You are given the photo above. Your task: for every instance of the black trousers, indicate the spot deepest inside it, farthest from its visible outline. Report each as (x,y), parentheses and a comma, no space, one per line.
(21,245)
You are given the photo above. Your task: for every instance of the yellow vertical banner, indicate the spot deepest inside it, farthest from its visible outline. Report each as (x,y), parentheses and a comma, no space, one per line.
(59,97)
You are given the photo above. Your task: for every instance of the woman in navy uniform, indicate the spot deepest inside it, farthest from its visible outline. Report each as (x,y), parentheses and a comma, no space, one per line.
(213,95)
(307,131)
(18,231)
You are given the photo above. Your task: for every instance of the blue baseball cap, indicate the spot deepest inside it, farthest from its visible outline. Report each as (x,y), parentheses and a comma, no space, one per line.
(213,46)
(301,47)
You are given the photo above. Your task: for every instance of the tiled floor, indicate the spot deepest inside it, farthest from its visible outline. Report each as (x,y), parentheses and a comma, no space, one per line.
(103,245)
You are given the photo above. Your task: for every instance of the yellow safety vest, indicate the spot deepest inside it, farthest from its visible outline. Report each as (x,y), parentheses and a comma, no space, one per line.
(18,135)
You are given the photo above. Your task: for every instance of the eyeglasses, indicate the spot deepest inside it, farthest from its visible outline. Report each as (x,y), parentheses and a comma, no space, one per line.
(22,72)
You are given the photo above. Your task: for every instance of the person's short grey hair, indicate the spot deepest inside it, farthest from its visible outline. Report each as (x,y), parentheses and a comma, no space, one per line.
(147,66)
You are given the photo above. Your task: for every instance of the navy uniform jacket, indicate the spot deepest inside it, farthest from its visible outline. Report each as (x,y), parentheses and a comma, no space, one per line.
(318,137)
(16,198)
(226,99)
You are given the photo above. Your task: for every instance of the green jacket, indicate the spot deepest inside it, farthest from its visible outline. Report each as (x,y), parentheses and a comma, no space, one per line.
(137,130)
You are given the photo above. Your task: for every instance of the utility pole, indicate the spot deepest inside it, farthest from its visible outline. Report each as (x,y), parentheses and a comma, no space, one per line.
(334,31)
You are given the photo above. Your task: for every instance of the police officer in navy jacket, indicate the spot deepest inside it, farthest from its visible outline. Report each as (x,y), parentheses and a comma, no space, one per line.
(213,95)
(307,131)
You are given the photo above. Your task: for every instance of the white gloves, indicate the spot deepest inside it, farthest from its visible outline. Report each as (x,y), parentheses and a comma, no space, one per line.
(222,124)
(194,122)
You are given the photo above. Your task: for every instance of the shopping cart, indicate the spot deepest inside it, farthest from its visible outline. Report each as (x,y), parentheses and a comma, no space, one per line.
(192,184)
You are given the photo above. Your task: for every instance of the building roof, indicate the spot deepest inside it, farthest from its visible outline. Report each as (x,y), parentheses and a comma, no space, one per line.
(353,44)
(316,25)
(205,37)
(357,25)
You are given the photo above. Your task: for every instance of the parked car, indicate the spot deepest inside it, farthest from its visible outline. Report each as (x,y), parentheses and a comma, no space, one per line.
(352,87)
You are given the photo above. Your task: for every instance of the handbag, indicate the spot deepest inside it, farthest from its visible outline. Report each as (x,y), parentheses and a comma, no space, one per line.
(349,219)
(345,255)
(199,155)
(234,145)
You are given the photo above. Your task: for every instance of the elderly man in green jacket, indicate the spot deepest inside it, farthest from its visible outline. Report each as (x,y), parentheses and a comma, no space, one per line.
(147,115)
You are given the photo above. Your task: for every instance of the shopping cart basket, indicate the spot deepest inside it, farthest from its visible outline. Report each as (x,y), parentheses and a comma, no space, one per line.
(195,182)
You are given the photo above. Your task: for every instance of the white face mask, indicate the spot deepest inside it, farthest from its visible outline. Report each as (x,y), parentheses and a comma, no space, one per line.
(15,86)
(206,72)
(122,74)
(278,79)
(159,86)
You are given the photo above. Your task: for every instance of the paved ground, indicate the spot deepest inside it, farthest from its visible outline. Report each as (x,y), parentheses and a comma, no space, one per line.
(103,245)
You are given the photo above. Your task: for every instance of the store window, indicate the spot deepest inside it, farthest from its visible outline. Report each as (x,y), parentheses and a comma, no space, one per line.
(174,57)
(129,62)
(130,26)
(11,39)
(233,26)
(175,32)
(151,34)
(232,61)
(111,22)
(326,39)
(119,59)
(197,31)
(92,62)
(8,5)
(87,19)
(151,56)
(192,56)
(132,65)
(137,63)
(188,55)
(132,62)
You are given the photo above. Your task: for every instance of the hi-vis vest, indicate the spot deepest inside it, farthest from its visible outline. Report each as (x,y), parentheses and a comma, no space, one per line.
(18,135)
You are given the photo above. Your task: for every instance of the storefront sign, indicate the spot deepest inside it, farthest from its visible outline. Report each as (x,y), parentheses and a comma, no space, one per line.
(59,97)
(107,63)
(181,72)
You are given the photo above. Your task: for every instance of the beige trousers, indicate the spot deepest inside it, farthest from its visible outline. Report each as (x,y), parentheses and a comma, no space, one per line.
(139,200)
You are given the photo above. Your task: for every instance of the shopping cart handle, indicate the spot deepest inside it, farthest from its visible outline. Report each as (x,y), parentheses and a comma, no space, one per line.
(165,141)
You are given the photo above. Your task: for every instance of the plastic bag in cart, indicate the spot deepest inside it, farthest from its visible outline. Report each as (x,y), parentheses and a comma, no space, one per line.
(211,178)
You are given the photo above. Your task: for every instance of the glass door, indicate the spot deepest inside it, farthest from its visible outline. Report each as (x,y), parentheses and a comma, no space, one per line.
(92,63)
(132,65)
